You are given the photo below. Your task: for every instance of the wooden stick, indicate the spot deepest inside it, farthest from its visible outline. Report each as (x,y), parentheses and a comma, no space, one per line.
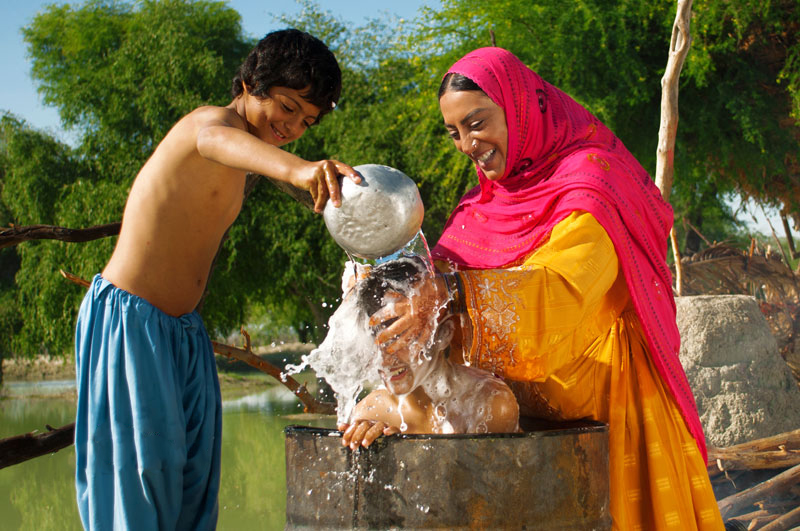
(760,521)
(782,458)
(75,279)
(668,128)
(785,522)
(14,450)
(14,235)
(784,480)
(676,254)
(790,439)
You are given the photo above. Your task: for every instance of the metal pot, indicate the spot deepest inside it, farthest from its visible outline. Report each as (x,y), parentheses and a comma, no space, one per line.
(379,215)
(553,478)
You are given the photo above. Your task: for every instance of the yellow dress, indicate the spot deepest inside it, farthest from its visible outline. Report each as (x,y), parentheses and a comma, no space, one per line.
(562,331)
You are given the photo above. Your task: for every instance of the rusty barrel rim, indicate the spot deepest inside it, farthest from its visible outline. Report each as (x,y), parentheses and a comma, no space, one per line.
(532,428)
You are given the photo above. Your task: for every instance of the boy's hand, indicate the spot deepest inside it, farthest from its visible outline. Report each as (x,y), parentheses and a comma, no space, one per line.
(362,432)
(321,179)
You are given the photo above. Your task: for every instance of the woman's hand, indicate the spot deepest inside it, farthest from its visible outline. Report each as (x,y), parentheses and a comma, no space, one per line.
(363,432)
(408,322)
(321,180)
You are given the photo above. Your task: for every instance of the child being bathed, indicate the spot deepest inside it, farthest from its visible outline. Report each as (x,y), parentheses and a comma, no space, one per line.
(423,391)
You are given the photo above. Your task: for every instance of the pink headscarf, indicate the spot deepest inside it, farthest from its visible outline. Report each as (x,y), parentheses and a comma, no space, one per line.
(561,159)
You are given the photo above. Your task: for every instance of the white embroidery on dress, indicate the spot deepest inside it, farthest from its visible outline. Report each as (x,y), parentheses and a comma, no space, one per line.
(498,300)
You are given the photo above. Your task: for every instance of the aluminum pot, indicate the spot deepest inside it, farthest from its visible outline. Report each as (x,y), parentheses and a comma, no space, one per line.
(379,215)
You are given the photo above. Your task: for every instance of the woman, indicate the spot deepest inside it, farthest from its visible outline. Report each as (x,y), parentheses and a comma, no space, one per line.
(558,271)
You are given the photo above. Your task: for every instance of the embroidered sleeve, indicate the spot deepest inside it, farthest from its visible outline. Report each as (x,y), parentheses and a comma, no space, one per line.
(529,320)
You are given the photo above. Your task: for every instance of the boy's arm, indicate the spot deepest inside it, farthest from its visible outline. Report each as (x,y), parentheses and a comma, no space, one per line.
(373,416)
(220,138)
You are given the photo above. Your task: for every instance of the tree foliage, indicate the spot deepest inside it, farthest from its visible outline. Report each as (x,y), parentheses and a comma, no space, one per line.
(121,74)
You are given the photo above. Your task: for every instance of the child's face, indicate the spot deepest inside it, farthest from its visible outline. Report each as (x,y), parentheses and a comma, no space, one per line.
(282,117)
(402,372)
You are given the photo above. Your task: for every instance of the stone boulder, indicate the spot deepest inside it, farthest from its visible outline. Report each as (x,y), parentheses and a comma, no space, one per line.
(743,388)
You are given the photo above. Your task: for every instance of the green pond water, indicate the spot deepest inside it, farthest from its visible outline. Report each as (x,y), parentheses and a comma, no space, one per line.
(40,494)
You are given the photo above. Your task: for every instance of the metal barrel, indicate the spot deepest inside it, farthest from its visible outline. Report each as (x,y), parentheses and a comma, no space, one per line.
(548,478)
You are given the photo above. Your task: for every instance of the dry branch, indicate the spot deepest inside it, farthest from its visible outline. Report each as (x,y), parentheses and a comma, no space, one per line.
(301,196)
(668,128)
(777,451)
(785,522)
(678,50)
(14,235)
(14,450)
(310,404)
(777,484)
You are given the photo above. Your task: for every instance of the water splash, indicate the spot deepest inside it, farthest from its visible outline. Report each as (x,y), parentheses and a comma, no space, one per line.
(348,359)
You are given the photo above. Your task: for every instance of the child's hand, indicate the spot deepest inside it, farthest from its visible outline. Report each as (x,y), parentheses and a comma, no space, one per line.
(362,432)
(321,179)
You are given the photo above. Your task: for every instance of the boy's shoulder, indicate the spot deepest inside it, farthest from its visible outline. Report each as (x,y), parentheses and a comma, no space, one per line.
(213,113)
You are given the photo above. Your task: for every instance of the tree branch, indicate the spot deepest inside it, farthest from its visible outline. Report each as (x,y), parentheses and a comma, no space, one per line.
(310,404)
(678,50)
(20,448)
(668,128)
(14,235)
(301,196)
(14,450)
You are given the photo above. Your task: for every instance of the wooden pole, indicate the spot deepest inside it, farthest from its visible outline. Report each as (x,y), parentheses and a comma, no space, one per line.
(665,155)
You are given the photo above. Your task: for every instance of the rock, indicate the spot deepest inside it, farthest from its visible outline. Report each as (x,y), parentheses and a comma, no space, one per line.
(743,388)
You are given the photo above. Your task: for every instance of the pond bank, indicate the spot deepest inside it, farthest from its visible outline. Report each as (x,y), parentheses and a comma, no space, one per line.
(236,378)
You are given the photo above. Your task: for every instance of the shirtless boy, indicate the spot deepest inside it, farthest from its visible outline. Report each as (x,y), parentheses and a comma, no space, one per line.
(149,410)
(424,392)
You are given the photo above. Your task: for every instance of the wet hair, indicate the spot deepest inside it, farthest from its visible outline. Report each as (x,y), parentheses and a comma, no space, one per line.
(294,59)
(395,275)
(455,82)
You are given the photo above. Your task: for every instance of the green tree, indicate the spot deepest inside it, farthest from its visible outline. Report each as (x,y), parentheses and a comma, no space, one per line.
(120,75)
(739,93)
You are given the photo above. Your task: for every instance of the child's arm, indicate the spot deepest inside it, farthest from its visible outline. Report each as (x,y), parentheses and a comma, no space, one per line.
(220,138)
(374,416)
(502,409)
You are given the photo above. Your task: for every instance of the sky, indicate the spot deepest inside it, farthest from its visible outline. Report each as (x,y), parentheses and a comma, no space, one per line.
(18,91)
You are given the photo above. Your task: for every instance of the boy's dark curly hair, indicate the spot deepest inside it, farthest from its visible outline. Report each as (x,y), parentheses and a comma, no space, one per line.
(294,59)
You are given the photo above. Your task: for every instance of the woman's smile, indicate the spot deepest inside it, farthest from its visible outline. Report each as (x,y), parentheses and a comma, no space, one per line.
(478,128)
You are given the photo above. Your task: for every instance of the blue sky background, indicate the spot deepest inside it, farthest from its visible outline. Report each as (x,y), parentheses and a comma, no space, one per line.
(18,91)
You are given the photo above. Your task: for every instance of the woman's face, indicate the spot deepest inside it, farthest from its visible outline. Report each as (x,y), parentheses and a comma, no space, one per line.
(478,128)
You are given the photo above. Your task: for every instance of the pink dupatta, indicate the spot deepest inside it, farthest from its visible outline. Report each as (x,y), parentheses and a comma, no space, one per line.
(561,159)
